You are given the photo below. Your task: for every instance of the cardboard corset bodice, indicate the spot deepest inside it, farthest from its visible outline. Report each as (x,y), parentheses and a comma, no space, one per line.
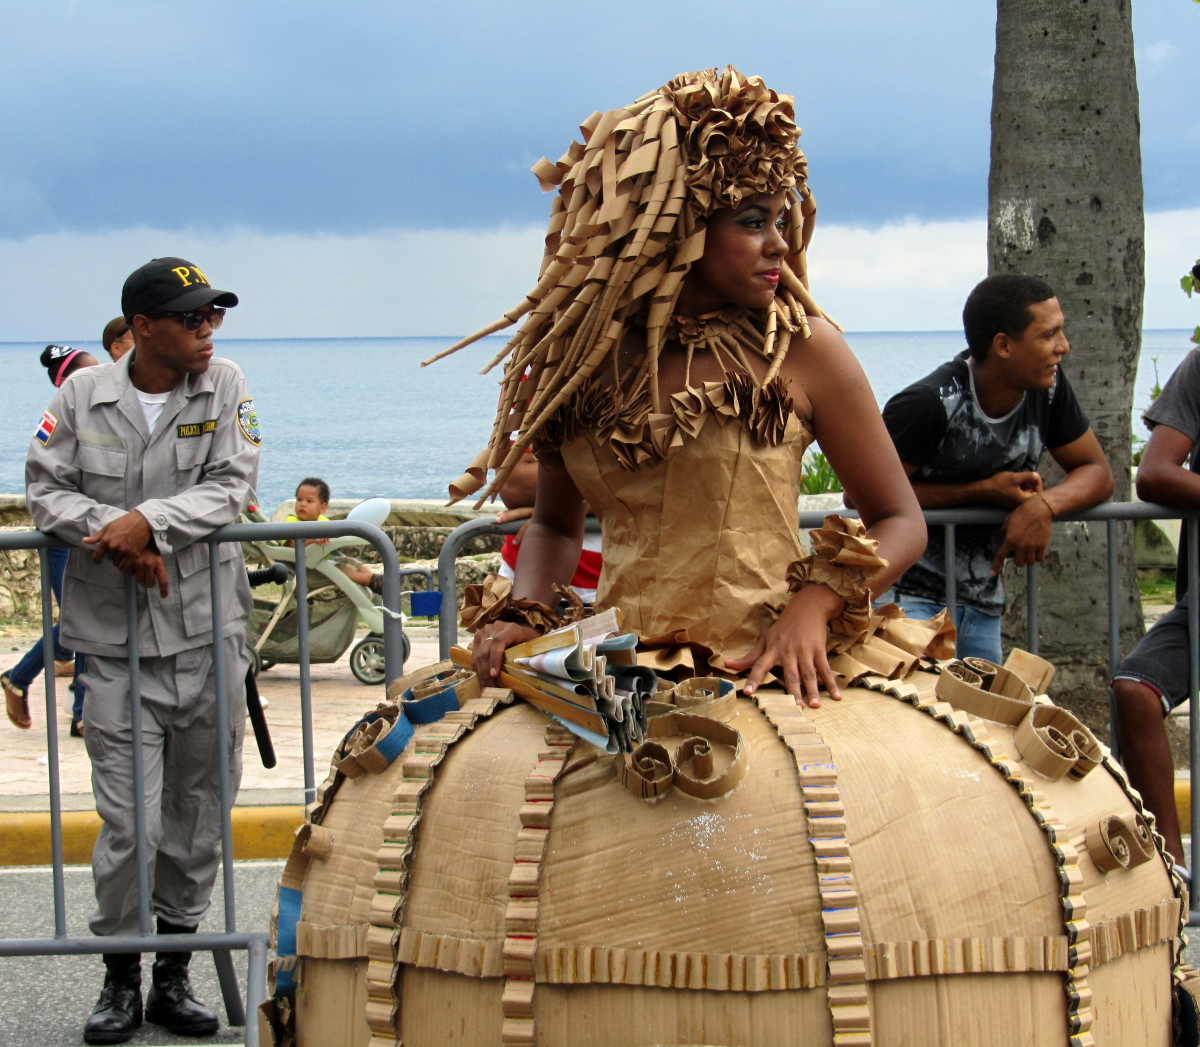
(699,540)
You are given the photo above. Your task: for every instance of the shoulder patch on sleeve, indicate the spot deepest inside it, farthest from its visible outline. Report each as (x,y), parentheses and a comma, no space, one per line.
(248,422)
(46,428)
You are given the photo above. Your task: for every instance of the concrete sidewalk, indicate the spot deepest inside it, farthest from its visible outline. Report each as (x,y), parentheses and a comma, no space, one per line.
(270,803)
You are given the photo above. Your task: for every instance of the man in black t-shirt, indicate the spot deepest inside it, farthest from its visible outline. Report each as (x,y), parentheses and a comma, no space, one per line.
(1153,679)
(972,433)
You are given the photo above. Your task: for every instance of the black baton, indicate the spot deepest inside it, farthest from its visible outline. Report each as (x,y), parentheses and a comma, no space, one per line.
(266,750)
(258,721)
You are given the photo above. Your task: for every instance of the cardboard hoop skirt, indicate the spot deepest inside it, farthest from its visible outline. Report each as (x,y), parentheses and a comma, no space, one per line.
(887,870)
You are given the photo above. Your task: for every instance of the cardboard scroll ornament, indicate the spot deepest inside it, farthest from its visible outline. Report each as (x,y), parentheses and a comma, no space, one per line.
(428,694)
(651,770)
(1051,740)
(706,696)
(1112,843)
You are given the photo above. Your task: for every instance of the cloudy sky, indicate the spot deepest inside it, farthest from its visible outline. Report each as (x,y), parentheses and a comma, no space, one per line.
(360,168)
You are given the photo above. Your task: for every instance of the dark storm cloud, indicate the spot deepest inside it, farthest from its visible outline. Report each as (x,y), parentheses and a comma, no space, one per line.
(350,117)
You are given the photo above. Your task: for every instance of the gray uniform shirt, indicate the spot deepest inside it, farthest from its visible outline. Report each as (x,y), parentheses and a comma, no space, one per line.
(93,459)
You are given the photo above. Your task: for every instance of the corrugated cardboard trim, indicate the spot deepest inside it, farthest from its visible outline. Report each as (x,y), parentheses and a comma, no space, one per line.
(940,956)
(1179,970)
(429,746)
(721,972)
(1079,946)
(520,919)
(473,957)
(846,977)
(1129,932)
(331,943)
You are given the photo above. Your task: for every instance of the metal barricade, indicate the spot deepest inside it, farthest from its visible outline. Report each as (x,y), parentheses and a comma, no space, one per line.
(1110,513)
(219,943)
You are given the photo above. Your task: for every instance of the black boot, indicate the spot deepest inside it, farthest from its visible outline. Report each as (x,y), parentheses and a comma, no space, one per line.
(171,1002)
(118,1012)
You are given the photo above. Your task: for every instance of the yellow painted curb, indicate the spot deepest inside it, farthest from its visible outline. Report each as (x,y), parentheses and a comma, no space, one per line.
(258,832)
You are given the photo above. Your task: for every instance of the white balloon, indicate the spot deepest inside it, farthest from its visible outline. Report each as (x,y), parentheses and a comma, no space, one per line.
(372,511)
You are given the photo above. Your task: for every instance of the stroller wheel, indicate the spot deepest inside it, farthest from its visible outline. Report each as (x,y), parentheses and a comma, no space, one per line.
(367,660)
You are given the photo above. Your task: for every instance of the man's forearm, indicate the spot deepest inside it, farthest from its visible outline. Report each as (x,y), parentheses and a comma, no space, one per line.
(1083,487)
(943,496)
(1173,485)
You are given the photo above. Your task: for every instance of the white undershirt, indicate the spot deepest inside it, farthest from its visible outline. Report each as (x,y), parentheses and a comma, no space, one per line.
(152,407)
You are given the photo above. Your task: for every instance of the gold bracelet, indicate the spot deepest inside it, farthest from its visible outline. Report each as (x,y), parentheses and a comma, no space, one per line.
(1053,514)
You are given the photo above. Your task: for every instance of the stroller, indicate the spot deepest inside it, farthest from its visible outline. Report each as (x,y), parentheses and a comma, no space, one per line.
(335,604)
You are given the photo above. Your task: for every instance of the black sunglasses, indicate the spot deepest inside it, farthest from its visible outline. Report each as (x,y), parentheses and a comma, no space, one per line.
(194,320)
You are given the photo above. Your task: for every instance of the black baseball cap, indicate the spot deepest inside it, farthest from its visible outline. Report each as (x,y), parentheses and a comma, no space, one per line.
(170,285)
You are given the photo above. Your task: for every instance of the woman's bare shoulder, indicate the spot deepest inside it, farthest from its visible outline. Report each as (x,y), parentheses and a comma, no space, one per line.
(822,358)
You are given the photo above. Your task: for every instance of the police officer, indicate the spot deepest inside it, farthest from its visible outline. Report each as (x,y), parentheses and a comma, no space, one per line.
(133,464)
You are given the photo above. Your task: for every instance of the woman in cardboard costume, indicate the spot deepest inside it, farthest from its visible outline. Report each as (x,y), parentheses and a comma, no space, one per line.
(671,369)
(886,872)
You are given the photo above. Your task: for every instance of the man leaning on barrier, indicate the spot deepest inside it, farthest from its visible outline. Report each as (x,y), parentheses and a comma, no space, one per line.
(1154,678)
(134,464)
(973,432)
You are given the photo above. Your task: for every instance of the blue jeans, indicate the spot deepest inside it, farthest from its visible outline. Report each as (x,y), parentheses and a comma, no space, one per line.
(27,669)
(978,633)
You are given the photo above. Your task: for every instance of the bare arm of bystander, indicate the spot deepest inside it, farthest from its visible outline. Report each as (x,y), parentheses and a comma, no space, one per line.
(1163,476)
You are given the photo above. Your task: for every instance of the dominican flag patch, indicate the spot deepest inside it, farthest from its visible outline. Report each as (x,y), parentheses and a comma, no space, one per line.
(46,429)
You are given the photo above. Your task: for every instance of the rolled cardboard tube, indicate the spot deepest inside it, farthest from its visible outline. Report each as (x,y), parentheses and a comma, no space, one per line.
(1040,740)
(1106,845)
(700,753)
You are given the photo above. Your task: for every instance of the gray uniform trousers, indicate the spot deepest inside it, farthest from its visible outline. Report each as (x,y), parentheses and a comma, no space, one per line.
(183,799)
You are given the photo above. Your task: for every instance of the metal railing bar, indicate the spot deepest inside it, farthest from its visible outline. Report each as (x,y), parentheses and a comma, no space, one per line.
(218,943)
(947,518)
(48,669)
(951,571)
(1032,630)
(256,984)
(91,945)
(1192,527)
(310,529)
(1114,627)
(139,771)
(306,717)
(222,732)
(231,992)
(447,581)
(810,518)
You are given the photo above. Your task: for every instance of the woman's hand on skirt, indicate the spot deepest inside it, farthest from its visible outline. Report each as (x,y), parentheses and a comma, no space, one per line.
(490,644)
(795,645)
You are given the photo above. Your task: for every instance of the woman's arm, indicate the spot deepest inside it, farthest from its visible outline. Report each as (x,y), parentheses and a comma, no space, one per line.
(852,435)
(549,555)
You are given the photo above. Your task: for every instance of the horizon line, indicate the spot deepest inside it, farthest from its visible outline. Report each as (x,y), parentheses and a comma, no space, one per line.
(447,337)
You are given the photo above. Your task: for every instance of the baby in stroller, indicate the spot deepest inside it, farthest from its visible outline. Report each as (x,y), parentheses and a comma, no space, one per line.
(312,501)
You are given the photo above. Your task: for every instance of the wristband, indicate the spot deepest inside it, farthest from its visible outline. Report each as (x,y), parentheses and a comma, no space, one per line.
(1046,502)
(843,559)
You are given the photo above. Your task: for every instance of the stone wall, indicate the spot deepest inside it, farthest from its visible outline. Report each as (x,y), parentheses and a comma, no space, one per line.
(20,582)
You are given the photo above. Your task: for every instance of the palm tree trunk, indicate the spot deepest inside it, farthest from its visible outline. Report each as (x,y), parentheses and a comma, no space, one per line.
(1065,204)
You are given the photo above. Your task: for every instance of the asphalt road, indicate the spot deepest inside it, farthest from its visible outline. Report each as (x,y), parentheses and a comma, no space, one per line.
(44,1001)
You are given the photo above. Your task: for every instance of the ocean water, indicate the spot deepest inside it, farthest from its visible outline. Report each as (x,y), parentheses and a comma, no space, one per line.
(364,415)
